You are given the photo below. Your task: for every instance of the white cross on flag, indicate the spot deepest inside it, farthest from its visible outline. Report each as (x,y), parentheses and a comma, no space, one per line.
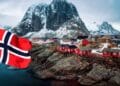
(14,50)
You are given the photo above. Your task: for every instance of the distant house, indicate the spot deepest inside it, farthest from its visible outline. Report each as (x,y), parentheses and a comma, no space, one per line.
(38,40)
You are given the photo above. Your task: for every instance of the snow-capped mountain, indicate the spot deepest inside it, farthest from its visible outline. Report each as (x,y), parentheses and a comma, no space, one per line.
(105,29)
(58,17)
(8,28)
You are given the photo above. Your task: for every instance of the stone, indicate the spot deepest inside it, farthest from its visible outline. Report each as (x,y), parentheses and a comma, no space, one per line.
(99,72)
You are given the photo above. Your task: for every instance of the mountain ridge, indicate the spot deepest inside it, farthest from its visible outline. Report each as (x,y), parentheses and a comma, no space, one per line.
(105,29)
(51,17)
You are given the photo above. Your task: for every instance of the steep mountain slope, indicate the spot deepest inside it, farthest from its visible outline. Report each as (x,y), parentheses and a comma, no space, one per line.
(105,29)
(52,17)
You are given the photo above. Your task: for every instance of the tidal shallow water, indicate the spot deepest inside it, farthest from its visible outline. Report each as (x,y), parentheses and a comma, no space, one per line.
(15,77)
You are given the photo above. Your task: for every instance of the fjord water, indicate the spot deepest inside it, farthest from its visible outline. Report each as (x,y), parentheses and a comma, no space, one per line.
(15,77)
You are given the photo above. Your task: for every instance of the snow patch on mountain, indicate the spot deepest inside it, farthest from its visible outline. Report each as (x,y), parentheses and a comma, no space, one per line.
(57,19)
(69,29)
(45,33)
(105,29)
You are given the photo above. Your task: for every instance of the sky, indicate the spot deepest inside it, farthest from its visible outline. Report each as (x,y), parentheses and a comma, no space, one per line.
(92,12)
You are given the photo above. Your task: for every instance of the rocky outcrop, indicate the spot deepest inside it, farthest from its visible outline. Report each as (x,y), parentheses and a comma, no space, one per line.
(58,14)
(47,63)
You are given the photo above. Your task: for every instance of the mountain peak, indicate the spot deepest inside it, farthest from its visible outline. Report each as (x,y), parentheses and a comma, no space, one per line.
(54,1)
(50,18)
(106,25)
(106,29)
(105,22)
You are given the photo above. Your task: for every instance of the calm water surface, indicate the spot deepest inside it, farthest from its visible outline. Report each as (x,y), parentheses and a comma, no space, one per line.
(11,77)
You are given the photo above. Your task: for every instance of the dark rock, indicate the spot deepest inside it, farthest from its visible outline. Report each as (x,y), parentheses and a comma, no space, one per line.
(87,81)
(103,83)
(65,68)
(65,83)
(55,57)
(99,73)
(58,13)
(115,79)
(87,72)
(46,53)
(70,64)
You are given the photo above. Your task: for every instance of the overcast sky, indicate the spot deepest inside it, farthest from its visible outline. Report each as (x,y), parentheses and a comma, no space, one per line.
(12,11)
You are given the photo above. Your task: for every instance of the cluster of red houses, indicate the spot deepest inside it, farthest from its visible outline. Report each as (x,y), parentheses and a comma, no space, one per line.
(104,51)
(85,47)
(87,52)
(77,51)
(111,53)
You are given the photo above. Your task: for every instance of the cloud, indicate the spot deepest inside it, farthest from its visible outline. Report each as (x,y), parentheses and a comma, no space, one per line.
(14,10)
(98,11)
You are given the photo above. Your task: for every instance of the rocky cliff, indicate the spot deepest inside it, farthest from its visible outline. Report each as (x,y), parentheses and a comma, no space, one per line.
(58,14)
(47,63)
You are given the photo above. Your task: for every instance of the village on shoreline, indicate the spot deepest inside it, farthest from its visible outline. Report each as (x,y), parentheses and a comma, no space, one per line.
(104,45)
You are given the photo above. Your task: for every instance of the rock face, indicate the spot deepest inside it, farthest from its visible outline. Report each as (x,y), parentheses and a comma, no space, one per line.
(95,71)
(59,13)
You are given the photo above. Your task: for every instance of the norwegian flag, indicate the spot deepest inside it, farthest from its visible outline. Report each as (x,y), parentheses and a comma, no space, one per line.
(14,50)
